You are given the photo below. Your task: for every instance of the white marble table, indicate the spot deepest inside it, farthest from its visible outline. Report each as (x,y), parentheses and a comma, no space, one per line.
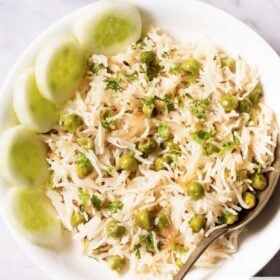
(22,20)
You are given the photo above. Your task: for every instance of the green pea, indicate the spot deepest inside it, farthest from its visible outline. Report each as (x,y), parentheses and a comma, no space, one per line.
(249,199)
(245,105)
(259,181)
(197,223)
(147,146)
(128,162)
(85,143)
(148,57)
(210,149)
(159,162)
(195,190)
(191,67)
(163,131)
(152,71)
(83,166)
(143,219)
(256,94)
(116,263)
(162,221)
(229,218)
(149,110)
(115,230)
(229,102)
(71,122)
(229,62)
(77,218)
(172,146)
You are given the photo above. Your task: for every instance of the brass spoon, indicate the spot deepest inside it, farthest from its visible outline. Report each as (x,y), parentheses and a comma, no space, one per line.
(248,216)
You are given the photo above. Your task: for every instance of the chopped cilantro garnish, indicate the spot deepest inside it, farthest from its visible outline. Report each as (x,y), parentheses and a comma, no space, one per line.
(200,136)
(200,108)
(96,202)
(175,70)
(136,249)
(151,243)
(166,55)
(131,77)
(106,120)
(169,103)
(149,100)
(163,131)
(95,258)
(141,44)
(115,206)
(83,197)
(142,70)
(228,145)
(113,83)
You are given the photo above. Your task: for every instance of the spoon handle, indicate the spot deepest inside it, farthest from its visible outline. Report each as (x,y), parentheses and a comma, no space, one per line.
(203,245)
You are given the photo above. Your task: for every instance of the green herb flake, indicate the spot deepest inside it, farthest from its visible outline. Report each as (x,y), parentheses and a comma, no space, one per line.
(94,258)
(149,100)
(136,250)
(131,77)
(83,197)
(175,70)
(96,202)
(106,120)
(229,145)
(200,108)
(166,55)
(200,136)
(169,103)
(142,70)
(113,83)
(151,242)
(96,68)
(115,206)
(163,131)
(141,44)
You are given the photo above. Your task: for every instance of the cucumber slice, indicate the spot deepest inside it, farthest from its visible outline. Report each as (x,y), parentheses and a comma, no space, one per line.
(31,214)
(108,27)
(59,69)
(23,158)
(31,108)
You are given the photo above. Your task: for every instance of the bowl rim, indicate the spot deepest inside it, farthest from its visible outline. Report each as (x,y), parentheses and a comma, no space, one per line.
(62,23)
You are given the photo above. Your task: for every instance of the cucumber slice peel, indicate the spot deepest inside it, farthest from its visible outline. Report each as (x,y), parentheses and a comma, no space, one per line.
(32,110)
(23,158)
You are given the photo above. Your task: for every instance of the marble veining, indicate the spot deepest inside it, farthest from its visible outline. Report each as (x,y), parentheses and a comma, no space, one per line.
(20,23)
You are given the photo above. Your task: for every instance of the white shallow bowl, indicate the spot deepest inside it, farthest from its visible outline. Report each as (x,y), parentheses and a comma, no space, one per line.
(184,20)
